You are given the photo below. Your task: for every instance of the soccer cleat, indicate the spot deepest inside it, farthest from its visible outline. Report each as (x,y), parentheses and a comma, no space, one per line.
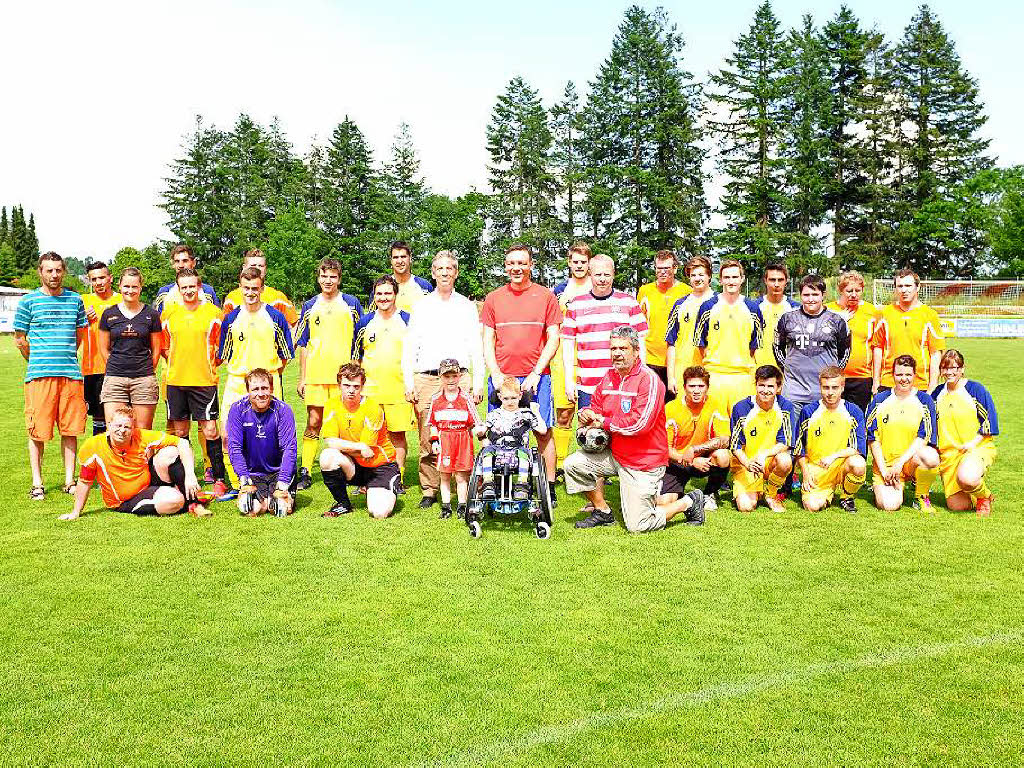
(710,503)
(521,492)
(597,518)
(983,507)
(219,489)
(208,476)
(775,503)
(461,511)
(446,512)
(305,481)
(923,503)
(847,505)
(339,509)
(695,514)
(426,502)
(198,510)
(230,494)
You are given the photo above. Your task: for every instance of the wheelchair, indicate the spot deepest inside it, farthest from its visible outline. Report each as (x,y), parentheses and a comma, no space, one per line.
(537,507)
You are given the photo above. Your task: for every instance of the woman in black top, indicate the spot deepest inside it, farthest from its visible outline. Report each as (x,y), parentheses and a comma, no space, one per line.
(130,338)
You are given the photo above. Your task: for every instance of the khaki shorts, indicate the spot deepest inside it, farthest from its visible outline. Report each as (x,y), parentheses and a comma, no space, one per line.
(638,489)
(399,416)
(142,390)
(54,400)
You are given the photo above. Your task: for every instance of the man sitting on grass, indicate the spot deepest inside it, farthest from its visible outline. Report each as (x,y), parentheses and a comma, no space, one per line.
(138,470)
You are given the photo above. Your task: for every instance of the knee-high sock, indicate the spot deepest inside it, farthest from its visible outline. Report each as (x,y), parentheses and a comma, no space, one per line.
(204,447)
(99,426)
(716,479)
(981,492)
(563,437)
(923,479)
(309,447)
(773,484)
(851,484)
(232,475)
(176,471)
(337,484)
(215,454)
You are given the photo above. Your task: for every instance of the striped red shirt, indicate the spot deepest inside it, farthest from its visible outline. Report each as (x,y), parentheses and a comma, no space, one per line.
(589,322)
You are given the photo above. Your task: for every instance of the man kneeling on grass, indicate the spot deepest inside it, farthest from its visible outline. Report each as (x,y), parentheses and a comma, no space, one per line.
(628,403)
(359,451)
(138,470)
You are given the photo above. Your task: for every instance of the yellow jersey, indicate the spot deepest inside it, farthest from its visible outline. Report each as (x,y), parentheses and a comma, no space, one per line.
(326,330)
(249,340)
(92,361)
(191,338)
(916,332)
(964,413)
(862,324)
(409,293)
(755,430)
(378,345)
(824,432)
(681,321)
(362,424)
(729,334)
(686,427)
(895,423)
(771,313)
(269,296)
(170,295)
(657,306)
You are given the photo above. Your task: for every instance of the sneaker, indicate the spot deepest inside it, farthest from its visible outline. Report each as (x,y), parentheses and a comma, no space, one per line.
(796,484)
(776,503)
(710,503)
(446,512)
(219,489)
(305,481)
(597,517)
(847,505)
(198,510)
(337,510)
(230,494)
(521,492)
(923,504)
(426,502)
(983,507)
(695,514)
(461,511)
(208,476)
(399,487)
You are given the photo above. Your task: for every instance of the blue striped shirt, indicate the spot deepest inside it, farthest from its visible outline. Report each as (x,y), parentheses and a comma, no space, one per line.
(51,322)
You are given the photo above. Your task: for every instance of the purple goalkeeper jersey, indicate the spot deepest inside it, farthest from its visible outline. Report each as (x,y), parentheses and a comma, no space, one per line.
(262,443)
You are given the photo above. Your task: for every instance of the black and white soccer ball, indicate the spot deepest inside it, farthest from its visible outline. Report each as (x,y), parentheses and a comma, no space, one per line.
(592,439)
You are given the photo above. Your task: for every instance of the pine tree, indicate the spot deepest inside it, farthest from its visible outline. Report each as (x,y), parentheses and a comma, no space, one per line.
(566,159)
(8,264)
(33,240)
(753,93)
(20,241)
(4,226)
(642,137)
(940,119)
(403,191)
(521,176)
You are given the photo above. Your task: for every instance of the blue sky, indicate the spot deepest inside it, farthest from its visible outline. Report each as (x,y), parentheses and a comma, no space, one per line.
(105,92)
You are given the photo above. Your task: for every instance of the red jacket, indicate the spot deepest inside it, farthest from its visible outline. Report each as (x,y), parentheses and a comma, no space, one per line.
(634,409)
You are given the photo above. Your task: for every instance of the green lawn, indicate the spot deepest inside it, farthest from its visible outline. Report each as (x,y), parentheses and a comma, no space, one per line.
(875,638)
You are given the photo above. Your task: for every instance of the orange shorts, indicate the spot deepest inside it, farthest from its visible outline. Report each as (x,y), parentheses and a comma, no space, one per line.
(54,400)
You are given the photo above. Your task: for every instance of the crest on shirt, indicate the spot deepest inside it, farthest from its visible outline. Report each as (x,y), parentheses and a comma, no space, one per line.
(625,404)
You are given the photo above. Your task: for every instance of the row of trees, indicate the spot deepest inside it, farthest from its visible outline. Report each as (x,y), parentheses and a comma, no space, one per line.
(835,148)
(19,245)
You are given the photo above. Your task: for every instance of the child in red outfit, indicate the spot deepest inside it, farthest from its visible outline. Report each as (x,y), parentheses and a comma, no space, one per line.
(452,418)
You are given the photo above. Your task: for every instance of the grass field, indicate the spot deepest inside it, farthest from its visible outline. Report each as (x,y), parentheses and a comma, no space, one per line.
(867,639)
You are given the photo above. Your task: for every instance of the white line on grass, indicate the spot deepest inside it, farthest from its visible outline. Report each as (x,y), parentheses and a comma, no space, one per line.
(729,690)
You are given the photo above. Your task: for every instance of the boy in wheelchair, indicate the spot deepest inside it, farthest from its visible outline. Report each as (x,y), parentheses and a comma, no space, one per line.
(507,430)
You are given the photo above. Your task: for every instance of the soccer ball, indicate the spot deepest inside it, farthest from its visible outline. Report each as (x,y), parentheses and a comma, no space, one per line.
(592,439)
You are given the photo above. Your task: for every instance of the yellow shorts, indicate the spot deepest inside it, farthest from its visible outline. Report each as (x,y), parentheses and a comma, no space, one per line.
(905,477)
(744,481)
(558,382)
(234,390)
(826,480)
(727,389)
(949,463)
(317,395)
(399,417)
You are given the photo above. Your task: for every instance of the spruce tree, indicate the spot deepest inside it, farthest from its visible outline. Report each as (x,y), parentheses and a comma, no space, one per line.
(566,159)
(752,94)
(33,239)
(20,241)
(645,184)
(403,191)
(5,233)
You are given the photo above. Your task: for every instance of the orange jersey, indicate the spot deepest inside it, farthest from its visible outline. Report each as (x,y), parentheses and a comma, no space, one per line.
(121,473)
(191,338)
(916,332)
(362,424)
(862,324)
(92,361)
(686,427)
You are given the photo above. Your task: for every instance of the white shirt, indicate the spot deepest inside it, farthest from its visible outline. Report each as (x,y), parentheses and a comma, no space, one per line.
(439,329)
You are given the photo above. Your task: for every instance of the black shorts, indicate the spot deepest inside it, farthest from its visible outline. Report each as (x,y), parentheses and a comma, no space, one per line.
(192,403)
(93,385)
(858,392)
(385,476)
(676,477)
(142,502)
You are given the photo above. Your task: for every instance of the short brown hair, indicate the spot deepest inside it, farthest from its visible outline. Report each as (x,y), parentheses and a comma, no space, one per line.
(519,247)
(777,266)
(259,373)
(352,371)
(697,372)
(905,360)
(329,265)
(666,254)
(697,261)
(182,248)
(254,253)
(850,277)
(50,256)
(831,372)
(250,273)
(951,356)
(510,384)
(906,272)
(817,282)
(123,409)
(131,272)
(765,372)
(186,272)
(729,264)
(582,248)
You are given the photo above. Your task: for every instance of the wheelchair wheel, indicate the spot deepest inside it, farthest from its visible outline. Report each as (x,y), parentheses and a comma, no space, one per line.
(543,530)
(474,505)
(543,491)
(475,530)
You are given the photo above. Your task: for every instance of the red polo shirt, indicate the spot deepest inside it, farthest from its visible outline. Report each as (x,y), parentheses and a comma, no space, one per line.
(634,409)
(520,320)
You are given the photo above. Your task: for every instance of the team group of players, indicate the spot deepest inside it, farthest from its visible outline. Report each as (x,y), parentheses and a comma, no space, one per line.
(764,385)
